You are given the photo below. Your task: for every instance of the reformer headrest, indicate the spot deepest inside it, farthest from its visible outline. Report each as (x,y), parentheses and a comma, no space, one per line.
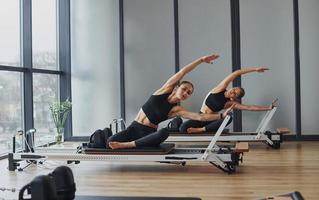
(99,137)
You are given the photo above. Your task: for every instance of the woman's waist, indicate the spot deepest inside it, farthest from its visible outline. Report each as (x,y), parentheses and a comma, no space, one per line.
(207,110)
(146,124)
(142,119)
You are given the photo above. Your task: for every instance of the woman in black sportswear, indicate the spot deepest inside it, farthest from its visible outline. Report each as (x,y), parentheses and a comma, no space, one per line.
(160,106)
(220,98)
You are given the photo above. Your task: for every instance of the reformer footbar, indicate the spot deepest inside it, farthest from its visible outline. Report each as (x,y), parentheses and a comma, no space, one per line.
(223,158)
(260,135)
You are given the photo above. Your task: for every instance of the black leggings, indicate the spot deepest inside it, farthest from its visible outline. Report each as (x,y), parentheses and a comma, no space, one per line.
(144,136)
(209,125)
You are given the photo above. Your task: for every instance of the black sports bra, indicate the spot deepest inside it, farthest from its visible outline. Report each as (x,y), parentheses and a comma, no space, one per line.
(216,101)
(157,107)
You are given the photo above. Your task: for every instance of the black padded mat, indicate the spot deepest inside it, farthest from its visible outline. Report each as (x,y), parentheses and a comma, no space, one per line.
(210,134)
(133,198)
(162,149)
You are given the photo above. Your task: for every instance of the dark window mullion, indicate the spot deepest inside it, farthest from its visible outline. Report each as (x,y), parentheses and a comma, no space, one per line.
(11,68)
(236,61)
(122,70)
(46,71)
(27,62)
(297,68)
(64,55)
(176,35)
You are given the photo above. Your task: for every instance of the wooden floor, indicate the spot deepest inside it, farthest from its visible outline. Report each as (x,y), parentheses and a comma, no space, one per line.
(264,172)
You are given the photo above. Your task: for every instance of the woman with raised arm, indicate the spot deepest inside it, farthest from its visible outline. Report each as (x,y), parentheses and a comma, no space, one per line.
(220,98)
(159,107)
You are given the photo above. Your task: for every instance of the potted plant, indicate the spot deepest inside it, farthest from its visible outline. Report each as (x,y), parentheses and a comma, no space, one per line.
(60,112)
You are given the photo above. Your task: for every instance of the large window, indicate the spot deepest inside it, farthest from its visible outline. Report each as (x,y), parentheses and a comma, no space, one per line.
(9,34)
(10,107)
(45,91)
(44,34)
(40,38)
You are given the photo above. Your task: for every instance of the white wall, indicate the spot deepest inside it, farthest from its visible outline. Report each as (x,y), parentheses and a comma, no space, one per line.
(205,28)
(149,50)
(95,64)
(309,69)
(267,40)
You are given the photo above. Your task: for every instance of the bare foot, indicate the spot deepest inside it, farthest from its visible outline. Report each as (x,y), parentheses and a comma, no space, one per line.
(195,130)
(121,145)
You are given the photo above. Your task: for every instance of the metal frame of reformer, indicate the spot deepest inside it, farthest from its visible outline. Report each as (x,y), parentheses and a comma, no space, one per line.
(223,158)
(272,139)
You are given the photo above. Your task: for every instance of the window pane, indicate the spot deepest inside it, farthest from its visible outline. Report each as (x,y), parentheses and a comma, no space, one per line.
(44,34)
(10,108)
(10,32)
(45,91)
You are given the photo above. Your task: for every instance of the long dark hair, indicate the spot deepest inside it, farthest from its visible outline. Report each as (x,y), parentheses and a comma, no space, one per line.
(242,93)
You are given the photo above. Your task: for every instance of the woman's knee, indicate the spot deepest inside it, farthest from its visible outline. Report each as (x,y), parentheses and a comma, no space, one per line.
(183,128)
(120,136)
(163,133)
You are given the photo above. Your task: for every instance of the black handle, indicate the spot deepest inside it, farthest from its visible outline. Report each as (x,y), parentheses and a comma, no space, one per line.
(22,191)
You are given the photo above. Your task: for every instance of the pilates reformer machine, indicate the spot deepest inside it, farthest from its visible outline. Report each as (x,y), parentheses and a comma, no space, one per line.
(272,139)
(224,158)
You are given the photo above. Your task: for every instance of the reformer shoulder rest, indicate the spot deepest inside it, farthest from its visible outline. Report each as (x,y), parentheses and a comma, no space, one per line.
(162,149)
(241,147)
(283,130)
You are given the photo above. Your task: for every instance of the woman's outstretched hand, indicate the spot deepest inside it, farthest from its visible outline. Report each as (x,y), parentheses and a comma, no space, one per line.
(273,104)
(209,59)
(229,110)
(261,69)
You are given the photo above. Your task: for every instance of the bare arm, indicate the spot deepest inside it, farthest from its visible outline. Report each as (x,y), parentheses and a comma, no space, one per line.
(198,116)
(224,83)
(182,112)
(252,107)
(239,106)
(171,82)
